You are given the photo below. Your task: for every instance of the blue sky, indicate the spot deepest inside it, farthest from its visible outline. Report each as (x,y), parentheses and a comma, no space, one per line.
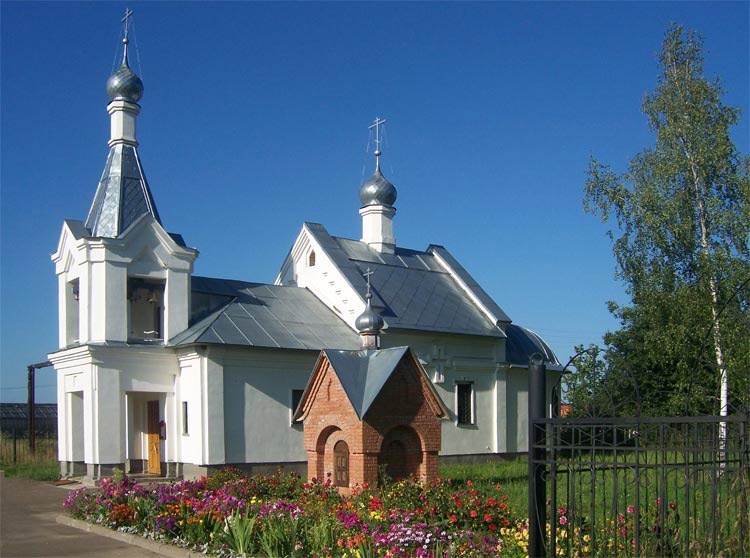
(254,119)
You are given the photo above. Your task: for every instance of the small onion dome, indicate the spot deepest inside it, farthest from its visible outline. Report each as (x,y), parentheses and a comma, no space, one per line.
(369,321)
(377,190)
(124,84)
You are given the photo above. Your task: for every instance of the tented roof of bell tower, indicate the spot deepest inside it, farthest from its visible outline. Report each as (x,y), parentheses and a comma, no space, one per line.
(123,194)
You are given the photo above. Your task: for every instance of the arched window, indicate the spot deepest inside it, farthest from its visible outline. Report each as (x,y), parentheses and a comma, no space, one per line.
(341,463)
(311,259)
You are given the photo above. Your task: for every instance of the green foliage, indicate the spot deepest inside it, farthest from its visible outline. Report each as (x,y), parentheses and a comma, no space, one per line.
(239,533)
(279,536)
(225,475)
(681,241)
(49,471)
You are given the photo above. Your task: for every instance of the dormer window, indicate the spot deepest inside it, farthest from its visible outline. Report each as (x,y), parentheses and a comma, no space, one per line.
(145,309)
(311,259)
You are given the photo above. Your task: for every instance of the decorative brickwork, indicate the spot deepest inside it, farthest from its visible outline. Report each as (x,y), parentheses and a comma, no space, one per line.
(400,432)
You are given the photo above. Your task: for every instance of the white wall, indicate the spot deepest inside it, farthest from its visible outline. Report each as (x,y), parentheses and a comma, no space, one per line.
(257,400)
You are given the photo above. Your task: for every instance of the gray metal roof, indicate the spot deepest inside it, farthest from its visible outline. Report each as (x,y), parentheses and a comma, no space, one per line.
(254,314)
(122,196)
(521,343)
(411,288)
(364,373)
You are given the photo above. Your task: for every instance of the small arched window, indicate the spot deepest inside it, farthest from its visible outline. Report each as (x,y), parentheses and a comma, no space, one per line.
(341,463)
(311,259)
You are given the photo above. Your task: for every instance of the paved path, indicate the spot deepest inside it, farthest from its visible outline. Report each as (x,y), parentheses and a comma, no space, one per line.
(28,528)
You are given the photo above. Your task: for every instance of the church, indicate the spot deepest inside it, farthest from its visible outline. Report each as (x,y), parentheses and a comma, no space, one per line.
(163,372)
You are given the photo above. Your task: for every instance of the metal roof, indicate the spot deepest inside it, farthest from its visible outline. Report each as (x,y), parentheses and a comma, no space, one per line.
(260,315)
(122,196)
(21,410)
(411,288)
(364,373)
(521,343)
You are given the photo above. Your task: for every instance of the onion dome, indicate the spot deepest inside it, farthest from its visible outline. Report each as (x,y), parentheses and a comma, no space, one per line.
(377,190)
(369,321)
(124,84)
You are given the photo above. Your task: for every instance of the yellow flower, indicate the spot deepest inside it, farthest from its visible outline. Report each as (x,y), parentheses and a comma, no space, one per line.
(586,537)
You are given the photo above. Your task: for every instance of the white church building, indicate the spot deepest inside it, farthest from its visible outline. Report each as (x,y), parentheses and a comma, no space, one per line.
(163,372)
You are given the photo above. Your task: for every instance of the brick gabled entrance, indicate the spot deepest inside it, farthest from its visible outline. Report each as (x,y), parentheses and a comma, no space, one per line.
(365,410)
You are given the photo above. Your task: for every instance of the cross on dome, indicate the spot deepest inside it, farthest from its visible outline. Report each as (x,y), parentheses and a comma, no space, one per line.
(377,123)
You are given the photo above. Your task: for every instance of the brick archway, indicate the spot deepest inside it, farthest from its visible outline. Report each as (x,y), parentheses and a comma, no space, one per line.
(320,451)
(401,453)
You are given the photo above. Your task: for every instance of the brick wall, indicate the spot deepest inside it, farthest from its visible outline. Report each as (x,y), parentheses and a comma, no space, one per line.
(399,432)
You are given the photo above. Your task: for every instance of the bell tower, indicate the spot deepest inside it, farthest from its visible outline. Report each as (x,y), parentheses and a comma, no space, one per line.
(122,277)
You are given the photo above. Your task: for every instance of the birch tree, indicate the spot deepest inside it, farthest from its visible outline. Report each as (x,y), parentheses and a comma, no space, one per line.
(681,216)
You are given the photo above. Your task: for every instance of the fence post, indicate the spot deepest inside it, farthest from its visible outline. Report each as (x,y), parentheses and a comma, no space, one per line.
(15,451)
(31,409)
(537,484)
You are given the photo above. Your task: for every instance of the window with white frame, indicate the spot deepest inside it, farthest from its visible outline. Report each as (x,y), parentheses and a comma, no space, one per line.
(464,403)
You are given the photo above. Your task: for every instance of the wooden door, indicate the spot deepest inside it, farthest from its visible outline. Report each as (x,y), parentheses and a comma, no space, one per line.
(154,453)
(341,464)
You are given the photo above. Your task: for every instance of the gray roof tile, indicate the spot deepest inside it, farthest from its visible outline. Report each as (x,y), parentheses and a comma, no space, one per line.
(122,196)
(521,343)
(260,315)
(411,289)
(364,373)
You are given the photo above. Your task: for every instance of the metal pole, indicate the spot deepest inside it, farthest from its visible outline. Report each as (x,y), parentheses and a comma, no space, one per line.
(31,408)
(537,485)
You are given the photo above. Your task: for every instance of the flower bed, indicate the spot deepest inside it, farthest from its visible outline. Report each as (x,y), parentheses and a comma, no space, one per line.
(281,515)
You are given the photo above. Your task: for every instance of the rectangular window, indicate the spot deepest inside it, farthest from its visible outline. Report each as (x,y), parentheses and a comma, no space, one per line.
(464,403)
(185,429)
(296,398)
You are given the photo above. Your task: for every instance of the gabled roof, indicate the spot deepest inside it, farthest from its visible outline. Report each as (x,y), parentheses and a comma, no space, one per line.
(418,290)
(521,343)
(260,315)
(363,374)
(122,196)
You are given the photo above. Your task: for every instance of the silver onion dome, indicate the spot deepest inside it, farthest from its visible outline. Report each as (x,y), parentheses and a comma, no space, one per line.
(369,321)
(377,190)
(124,84)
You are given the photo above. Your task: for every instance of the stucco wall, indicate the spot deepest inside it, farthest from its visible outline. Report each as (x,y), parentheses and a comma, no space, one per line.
(258,386)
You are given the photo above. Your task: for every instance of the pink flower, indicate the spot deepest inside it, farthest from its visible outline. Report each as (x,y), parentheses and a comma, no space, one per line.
(631,509)
(563,520)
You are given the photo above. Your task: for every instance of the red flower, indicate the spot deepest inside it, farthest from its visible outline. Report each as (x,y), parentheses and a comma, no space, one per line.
(672,506)
(487,518)
(473,513)
(459,503)
(453,518)
(469,483)
(493,527)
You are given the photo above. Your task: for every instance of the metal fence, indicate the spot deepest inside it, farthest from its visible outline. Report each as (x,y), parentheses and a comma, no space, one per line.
(646,487)
(15,447)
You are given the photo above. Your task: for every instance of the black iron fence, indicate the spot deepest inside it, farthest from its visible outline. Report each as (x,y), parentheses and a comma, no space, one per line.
(646,486)
(16,447)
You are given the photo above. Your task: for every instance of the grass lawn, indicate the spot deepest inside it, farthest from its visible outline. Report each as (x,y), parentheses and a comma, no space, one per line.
(48,471)
(512,476)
